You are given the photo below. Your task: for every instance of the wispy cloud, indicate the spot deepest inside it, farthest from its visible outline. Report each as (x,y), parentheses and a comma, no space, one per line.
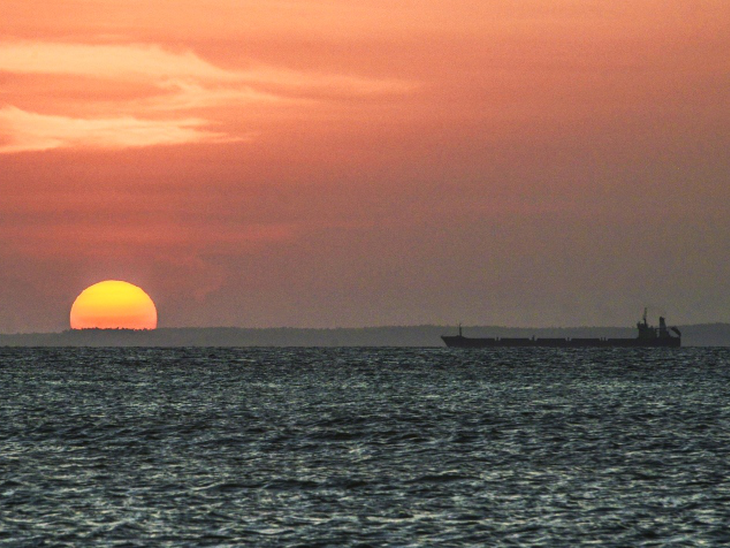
(27,131)
(136,61)
(174,81)
(150,62)
(186,95)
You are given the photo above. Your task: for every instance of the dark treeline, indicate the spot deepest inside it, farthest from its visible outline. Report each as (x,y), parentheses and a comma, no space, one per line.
(717,334)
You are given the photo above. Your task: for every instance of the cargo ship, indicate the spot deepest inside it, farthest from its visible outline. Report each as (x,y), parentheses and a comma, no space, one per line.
(648,337)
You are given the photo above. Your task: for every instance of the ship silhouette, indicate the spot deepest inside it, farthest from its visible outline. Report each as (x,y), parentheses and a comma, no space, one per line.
(648,337)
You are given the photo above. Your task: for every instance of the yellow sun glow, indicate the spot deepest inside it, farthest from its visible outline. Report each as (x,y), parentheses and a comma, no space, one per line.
(113,304)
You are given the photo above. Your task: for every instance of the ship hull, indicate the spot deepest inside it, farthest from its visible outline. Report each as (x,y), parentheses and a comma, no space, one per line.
(458,341)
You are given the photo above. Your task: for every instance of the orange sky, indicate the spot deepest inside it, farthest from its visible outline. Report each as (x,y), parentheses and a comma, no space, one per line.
(320,164)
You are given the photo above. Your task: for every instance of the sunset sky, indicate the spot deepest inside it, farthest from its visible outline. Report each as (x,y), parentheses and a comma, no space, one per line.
(358,163)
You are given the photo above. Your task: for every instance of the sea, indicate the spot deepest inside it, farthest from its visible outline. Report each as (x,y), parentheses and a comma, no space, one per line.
(364,447)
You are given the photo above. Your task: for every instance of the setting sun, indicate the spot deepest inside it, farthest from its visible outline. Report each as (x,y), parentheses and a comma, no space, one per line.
(113,304)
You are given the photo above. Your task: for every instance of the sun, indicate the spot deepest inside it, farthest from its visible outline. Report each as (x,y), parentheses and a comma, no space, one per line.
(113,304)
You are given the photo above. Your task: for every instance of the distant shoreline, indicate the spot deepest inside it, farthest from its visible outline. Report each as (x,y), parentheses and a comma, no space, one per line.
(714,334)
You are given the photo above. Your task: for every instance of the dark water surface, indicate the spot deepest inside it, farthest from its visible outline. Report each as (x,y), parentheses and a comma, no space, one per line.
(364,447)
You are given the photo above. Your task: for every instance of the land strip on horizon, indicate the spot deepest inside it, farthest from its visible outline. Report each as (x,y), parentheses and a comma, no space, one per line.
(711,334)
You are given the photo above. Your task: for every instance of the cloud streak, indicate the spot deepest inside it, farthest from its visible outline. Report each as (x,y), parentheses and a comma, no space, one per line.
(134,61)
(174,82)
(28,131)
(150,62)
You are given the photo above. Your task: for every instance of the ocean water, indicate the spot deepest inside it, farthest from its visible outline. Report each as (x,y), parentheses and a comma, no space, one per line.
(364,447)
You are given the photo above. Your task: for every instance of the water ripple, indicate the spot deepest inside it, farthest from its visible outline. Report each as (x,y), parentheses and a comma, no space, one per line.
(364,447)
